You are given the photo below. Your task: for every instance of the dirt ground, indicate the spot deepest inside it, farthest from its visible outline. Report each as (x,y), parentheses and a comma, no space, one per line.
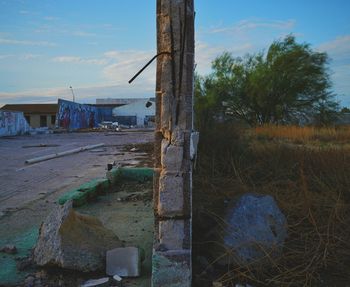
(29,192)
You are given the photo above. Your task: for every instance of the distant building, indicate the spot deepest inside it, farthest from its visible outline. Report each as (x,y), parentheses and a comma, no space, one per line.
(116,102)
(37,115)
(140,112)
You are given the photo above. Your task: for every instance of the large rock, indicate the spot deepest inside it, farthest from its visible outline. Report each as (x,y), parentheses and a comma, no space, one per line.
(256,229)
(74,241)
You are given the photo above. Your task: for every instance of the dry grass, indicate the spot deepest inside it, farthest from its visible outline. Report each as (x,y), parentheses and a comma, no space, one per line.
(312,188)
(303,134)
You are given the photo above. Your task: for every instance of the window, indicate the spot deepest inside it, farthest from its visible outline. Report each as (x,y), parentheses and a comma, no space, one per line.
(53,119)
(43,121)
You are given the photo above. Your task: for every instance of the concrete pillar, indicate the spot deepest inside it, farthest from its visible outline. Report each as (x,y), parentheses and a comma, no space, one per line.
(174,124)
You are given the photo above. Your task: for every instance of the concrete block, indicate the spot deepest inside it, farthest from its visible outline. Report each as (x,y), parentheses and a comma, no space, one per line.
(177,137)
(171,269)
(172,156)
(125,262)
(172,234)
(171,196)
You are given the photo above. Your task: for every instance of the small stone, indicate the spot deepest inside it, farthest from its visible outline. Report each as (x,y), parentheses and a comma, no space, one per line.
(9,249)
(217,284)
(29,281)
(124,262)
(96,282)
(118,280)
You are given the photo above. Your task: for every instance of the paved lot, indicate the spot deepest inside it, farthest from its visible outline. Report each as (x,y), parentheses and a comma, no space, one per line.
(28,193)
(21,184)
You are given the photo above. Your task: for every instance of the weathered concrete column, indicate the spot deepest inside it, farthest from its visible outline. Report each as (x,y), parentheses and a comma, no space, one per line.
(174,124)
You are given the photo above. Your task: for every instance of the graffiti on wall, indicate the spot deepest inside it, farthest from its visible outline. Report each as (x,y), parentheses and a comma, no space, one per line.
(13,123)
(76,116)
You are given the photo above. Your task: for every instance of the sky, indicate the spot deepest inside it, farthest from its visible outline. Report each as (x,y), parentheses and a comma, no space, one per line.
(96,46)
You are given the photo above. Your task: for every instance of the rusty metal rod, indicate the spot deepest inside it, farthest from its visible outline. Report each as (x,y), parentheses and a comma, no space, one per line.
(145,66)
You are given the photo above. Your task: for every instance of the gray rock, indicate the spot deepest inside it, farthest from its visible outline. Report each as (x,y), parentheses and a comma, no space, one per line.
(74,241)
(256,227)
(102,282)
(125,262)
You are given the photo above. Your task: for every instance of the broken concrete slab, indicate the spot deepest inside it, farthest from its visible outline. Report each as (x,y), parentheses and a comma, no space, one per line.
(9,249)
(85,192)
(74,241)
(102,282)
(125,262)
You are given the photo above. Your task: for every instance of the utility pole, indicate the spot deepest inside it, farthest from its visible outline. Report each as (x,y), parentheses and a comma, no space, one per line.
(174,131)
(71,88)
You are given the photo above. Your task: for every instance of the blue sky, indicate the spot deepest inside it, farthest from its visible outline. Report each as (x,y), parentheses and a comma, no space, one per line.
(95,46)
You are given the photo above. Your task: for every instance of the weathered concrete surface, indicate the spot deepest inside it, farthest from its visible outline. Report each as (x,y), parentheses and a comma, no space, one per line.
(123,261)
(174,127)
(21,184)
(73,241)
(12,123)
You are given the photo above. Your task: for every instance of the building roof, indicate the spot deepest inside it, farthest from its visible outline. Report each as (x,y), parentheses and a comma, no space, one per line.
(32,108)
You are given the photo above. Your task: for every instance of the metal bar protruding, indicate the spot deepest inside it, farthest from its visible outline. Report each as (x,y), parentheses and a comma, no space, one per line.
(145,66)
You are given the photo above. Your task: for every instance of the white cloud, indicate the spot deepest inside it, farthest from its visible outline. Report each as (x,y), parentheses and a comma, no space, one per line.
(339,52)
(4,41)
(30,56)
(51,18)
(67,59)
(338,49)
(6,56)
(126,64)
(75,59)
(254,24)
(87,94)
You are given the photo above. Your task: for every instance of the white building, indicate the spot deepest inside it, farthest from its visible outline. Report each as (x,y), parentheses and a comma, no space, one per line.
(139,113)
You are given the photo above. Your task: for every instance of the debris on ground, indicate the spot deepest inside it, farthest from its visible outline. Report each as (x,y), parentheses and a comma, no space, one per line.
(144,196)
(40,145)
(73,241)
(9,249)
(118,280)
(64,153)
(101,282)
(125,262)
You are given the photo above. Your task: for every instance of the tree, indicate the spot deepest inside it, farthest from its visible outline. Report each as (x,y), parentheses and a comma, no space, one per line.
(290,83)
